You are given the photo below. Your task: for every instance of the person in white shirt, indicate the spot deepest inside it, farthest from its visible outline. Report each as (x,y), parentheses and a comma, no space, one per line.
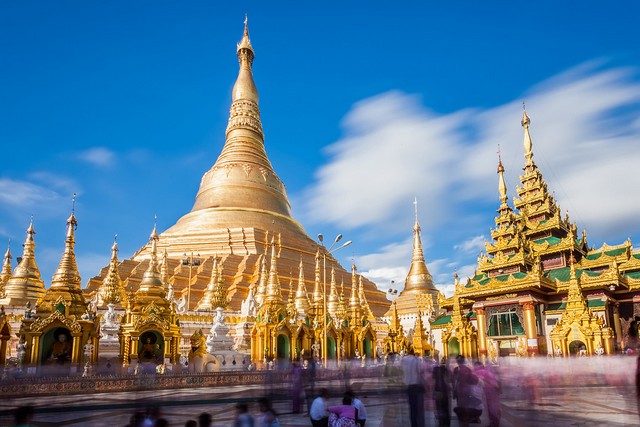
(412,376)
(362,412)
(318,412)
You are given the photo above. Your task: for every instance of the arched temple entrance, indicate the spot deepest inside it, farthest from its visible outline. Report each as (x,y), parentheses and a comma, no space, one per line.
(453,347)
(284,347)
(331,347)
(577,348)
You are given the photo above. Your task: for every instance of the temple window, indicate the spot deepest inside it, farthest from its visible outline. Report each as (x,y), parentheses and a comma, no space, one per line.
(505,323)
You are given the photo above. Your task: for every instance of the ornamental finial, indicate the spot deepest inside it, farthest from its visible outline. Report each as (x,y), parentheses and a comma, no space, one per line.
(528,144)
(502,186)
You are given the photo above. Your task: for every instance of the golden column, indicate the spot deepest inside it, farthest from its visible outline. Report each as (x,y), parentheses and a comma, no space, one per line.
(35,346)
(617,326)
(530,328)
(482,332)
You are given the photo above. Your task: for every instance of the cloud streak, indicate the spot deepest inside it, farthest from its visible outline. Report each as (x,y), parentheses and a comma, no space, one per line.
(97,156)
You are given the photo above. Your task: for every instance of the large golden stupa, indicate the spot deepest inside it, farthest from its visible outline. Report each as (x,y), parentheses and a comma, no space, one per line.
(240,207)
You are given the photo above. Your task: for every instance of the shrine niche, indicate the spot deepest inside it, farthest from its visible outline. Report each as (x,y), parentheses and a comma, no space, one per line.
(151,347)
(579,332)
(5,335)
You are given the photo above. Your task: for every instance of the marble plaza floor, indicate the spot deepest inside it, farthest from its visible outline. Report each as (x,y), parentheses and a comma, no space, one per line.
(386,407)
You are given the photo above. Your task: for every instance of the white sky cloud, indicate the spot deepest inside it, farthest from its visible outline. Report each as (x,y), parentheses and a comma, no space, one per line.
(474,244)
(23,194)
(586,141)
(97,156)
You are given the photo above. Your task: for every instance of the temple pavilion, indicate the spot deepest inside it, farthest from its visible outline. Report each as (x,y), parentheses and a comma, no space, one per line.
(541,288)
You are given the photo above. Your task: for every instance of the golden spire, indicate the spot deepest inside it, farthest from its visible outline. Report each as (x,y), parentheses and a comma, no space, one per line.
(25,284)
(5,274)
(241,188)
(291,302)
(317,287)
(456,312)
(67,273)
(528,144)
(245,89)
(215,294)
(395,319)
(332,303)
(219,297)
(302,300)
(243,169)
(112,291)
(502,186)
(354,301)
(164,268)
(274,295)
(419,277)
(262,285)
(341,311)
(575,299)
(151,280)
(366,310)
(245,43)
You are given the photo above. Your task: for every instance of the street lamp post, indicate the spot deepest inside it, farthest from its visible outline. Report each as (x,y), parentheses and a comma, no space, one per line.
(191,261)
(326,252)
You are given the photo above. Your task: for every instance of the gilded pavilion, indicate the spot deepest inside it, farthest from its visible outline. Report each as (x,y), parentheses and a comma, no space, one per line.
(541,288)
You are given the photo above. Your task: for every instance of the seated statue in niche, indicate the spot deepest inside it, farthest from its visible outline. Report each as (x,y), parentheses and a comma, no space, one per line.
(149,351)
(60,351)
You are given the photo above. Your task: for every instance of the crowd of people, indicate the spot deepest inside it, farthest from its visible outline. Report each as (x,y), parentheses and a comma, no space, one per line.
(471,387)
(464,388)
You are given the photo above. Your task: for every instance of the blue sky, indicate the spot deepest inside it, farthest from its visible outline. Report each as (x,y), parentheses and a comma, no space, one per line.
(364,105)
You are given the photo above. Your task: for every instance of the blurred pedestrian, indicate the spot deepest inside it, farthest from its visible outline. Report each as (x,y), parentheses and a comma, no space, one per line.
(296,388)
(492,389)
(23,416)
(638,383)
(243,417)
(412,376)
(191,423)
(204,420)
(468,394)
(441,394)
(269,417)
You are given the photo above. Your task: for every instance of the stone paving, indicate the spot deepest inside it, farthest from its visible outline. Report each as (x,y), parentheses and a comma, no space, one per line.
(386,406)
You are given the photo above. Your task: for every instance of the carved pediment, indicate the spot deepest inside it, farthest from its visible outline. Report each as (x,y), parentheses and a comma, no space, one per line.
(43,322)
(151,319)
